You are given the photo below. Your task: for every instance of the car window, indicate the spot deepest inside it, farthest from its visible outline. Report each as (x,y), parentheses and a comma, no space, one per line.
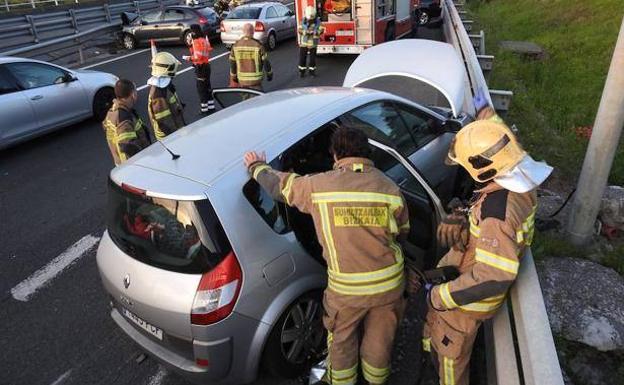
(271,211)
(244,13)
(174,14)
(396,171)
(7,85)
(152,17)
(208,13)
(33,75)
(271,13)
(424,128)
(382,122)
(282,11)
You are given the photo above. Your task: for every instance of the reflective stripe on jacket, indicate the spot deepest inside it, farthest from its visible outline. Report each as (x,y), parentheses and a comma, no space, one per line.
(165,111)
(200,51)
(248,62)
(126,133)
(310,33)
(358,212)
(501,227)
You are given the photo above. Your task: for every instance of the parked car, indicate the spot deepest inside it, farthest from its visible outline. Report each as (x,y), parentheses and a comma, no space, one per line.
(199,3)
(427,10)
(172,24)
(38,97)
(273,22)
(210,275)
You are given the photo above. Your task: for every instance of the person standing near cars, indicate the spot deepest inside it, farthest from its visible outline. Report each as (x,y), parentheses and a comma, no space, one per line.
(249,61)
(126,133)
(164,106)
(200,57)
(310,32)
(358,213)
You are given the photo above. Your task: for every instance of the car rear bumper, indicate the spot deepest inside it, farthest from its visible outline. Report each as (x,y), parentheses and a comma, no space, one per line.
(340,49)
(229,38)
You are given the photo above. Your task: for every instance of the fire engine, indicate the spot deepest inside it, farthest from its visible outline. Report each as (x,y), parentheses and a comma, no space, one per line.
(351,26)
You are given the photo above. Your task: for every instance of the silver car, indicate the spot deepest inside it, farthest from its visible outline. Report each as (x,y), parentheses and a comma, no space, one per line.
(38,97)
(210,275)
(272,22)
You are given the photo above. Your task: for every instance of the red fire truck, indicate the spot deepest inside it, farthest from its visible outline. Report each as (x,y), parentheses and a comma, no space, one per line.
(351,26)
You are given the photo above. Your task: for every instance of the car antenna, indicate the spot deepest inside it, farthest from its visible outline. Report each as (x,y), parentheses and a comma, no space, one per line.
(173,156)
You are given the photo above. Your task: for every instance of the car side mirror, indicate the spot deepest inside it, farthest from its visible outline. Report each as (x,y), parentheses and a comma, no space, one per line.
(451,125)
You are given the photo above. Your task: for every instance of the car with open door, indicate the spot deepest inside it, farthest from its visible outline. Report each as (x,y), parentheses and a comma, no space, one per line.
(214,278)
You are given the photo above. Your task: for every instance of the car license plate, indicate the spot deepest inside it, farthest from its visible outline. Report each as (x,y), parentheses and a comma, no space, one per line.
(151,329)
(236,28)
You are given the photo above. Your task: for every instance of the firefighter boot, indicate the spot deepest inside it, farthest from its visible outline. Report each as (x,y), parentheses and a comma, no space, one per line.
(312,71)
(302,72)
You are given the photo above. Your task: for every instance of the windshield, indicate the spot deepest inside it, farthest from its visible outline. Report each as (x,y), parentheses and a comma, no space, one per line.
(181,236)
(244,13)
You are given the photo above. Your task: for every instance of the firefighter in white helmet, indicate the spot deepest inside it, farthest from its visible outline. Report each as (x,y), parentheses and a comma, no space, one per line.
(164,106)
(310,32)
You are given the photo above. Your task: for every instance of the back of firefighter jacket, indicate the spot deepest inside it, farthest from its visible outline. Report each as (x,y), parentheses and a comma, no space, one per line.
(165,111)
(248,62)
(126,133)
(358,212)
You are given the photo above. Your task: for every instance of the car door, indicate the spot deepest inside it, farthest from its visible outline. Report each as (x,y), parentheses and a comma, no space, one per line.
(57,96)
(17,114)
(289,24)
(173,24)
(149,27)
(273,22)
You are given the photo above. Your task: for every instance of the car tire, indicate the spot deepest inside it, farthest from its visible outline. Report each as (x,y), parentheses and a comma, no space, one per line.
(423,18)
(102,102)
(128,41)
(301,322)
(271,41)
(187,38)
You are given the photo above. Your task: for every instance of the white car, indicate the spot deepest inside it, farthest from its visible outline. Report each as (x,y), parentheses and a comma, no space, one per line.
(38,97)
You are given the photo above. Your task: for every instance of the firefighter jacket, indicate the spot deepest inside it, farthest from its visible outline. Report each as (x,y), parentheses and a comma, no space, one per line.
(501,227)
(165,111)
(200,51)
(126,133)
(310,32)
(358,213)
(248,62)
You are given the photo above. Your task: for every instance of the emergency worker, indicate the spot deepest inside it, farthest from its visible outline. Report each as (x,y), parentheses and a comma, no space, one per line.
(126,133)
(249,61)
(164,106)
(487,246)
(200,57)
(358,213)
(310,32)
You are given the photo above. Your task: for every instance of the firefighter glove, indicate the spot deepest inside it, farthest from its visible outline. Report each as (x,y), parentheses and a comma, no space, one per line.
(453,232)
(479,100)
(414,281)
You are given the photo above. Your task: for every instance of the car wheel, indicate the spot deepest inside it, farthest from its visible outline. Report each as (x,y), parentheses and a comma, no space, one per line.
(271,41)
(102,102)
(297,339)
(424,18)
(129,42)
(187,38)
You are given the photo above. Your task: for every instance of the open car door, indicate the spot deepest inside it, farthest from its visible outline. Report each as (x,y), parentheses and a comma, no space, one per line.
(227,97)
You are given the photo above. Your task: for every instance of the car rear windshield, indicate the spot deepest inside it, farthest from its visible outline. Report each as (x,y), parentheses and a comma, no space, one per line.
(180,236)
(246,13)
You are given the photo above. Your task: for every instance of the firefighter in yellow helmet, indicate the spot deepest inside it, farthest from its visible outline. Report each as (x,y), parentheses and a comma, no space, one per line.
(165,109)
(487,247)
(310,31)
(358,214)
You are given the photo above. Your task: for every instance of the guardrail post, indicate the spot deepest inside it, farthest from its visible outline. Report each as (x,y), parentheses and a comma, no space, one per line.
(478,42)
(137,8)
(32,2)
(486,62)
(501,100)
(108,13)
(74,21)
(467,25)
(33,28)
(6,4)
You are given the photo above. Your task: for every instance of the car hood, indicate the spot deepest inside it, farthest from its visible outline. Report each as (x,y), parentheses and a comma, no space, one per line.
(424,71)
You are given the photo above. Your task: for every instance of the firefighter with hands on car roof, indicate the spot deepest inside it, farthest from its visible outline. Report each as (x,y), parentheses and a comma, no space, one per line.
(200,57)
(126,133)
(164,106)
(358,214)
(249,61)
(310,32)
(487,240)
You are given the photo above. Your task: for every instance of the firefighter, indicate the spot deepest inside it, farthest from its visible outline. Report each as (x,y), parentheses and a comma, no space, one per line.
(310,32)
(249,61)
(126,133)
(200,57)
(358,213)
(164,106)
(487,246)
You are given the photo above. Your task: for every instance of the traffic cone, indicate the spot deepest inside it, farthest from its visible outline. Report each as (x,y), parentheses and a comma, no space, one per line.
(153,48)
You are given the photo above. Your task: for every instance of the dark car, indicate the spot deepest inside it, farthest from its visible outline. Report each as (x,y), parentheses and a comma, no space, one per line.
(427,10)
(171,24)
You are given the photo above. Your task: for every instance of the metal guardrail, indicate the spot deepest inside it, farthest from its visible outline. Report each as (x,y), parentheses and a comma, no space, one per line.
(519,344)
(29,29)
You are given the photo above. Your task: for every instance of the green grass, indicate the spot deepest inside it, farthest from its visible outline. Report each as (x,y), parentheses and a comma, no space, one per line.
(561,92)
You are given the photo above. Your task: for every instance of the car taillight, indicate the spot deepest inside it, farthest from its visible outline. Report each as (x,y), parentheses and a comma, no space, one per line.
(203,20)
(217,292)
(259,26)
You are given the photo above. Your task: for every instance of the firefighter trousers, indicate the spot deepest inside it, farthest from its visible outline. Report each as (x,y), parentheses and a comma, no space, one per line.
(449,337)
(307,59)
(368,331)
(204,88)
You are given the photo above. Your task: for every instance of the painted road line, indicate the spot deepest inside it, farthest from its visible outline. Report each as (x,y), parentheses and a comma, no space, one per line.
(25,289)
(62,378)
(157,378)
(187,69)
(115,59)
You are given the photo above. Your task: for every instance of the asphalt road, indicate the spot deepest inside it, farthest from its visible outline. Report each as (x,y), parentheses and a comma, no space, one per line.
(52,194)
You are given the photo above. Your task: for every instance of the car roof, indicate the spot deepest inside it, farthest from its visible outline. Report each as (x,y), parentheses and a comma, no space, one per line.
(13,59)
(259,5)
(211,146)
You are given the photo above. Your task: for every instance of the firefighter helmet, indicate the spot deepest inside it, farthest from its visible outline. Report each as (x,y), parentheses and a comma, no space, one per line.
(310,12)
(486,150)
(164,64)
